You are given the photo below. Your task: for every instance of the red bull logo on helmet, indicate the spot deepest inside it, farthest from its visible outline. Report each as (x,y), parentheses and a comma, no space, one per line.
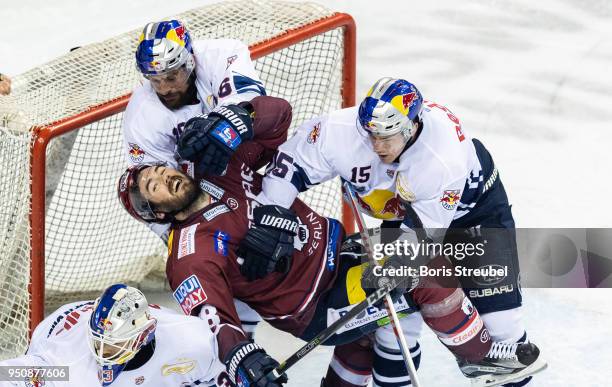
(450,199)
(407,99)
(180,32)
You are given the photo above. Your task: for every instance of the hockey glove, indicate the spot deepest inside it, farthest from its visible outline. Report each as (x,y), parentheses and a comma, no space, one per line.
(210,141)
(392,269)
(248,365)
(352,248)
(268,245)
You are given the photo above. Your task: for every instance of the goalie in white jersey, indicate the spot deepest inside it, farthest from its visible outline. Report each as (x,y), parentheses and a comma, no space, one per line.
(184,79)
(120,340)
(396,144)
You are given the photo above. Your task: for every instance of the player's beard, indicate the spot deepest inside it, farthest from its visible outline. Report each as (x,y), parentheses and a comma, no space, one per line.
(180,99)
(181,200)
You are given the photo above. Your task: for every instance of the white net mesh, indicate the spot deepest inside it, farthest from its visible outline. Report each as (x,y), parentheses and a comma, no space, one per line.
(14,231)
(90,241)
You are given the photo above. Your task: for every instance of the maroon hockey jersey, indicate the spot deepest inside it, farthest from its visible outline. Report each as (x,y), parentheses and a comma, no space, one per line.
(203,268)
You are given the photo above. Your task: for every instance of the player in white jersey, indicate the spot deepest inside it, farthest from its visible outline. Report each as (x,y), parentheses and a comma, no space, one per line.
(395,141)
(184,79)
(120,340)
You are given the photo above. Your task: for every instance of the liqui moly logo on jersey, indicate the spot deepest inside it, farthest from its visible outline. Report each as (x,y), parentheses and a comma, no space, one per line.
(190,294)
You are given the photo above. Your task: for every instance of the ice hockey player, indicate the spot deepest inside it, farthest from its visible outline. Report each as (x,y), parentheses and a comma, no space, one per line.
(400,140)
(184,78)
(121,340)
(212,216)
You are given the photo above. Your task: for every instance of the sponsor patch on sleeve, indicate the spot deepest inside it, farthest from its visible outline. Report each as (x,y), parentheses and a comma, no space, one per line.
(450,199)
(137,154)
(186,244)
(190,294)
(226,135)
(221,239)
(314,134)
(215,211)
(211,189)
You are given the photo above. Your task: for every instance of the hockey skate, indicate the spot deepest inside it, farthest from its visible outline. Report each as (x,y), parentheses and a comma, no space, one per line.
(505,363)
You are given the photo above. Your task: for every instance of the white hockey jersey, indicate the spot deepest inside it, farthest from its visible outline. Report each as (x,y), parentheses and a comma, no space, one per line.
(225,75)
(185,352)
(436,167)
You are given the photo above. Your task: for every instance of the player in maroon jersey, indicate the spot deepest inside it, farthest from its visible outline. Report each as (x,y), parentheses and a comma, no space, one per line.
(209,220)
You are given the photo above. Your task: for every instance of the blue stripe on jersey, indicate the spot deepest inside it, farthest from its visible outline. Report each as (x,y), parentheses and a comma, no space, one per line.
(300,179)
(475,183)
(332,243)
(244,84)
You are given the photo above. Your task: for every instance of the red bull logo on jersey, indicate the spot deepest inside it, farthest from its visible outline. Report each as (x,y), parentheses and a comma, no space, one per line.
(450,199)
(365,206)
(35,381)
(382,204)
(136,153)
(395,207)
(314,134)
(190,294)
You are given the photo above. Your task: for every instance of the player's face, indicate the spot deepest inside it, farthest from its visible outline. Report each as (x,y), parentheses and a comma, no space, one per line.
(110,351)
(171,88)
(167,189)
(388,148)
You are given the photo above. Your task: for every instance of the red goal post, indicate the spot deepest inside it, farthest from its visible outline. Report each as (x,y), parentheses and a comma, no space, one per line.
(339,29)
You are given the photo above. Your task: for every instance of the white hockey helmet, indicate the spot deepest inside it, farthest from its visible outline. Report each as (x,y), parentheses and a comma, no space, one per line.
(120,325)
(391,106)
(164,46)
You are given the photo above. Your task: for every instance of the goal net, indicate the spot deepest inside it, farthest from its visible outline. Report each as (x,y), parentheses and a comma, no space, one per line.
(64,235)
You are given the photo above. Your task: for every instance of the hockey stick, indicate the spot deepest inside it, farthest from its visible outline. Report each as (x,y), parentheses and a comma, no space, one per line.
(331,330)
(397,329)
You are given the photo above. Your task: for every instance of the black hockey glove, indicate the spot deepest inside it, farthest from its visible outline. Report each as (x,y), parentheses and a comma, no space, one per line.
(248,365)
(210,141)
(352,248)
(391,270)
(268,245)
